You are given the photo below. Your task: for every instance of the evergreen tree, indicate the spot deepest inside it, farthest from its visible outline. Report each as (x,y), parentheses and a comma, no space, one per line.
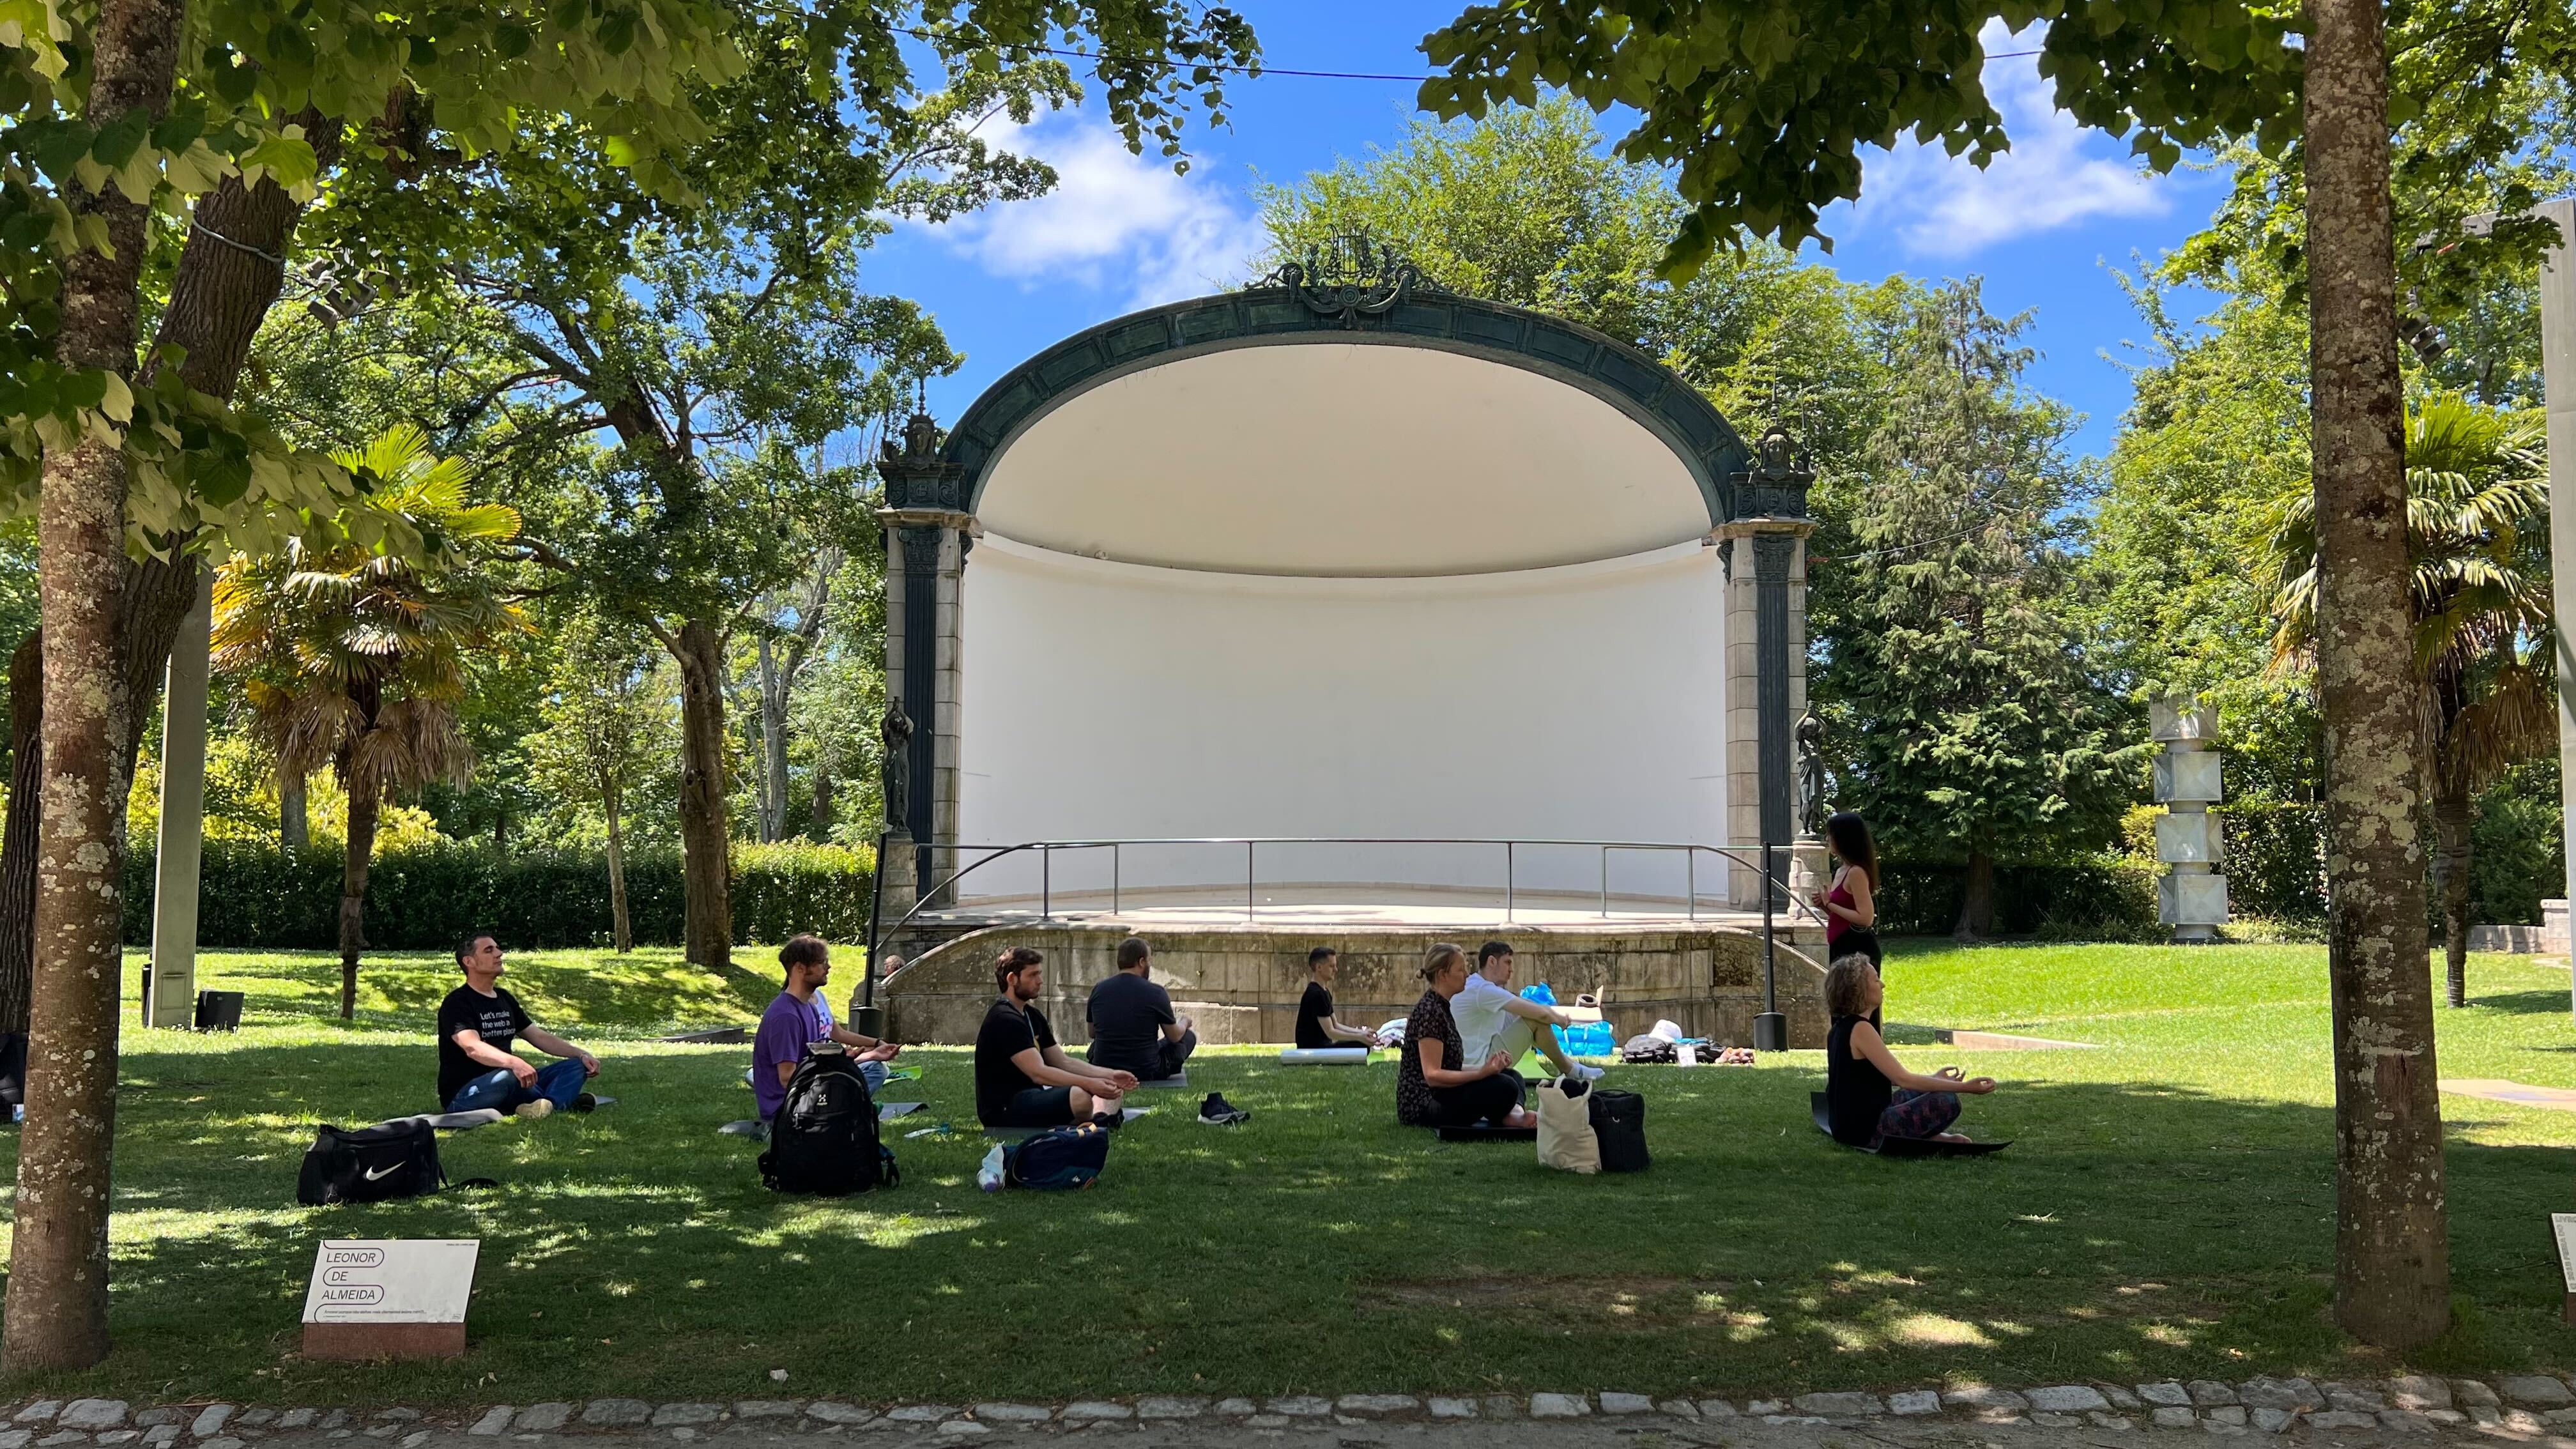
(1969,723)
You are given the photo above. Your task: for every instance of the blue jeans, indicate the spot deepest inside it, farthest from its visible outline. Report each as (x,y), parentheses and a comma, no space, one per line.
(557,1082)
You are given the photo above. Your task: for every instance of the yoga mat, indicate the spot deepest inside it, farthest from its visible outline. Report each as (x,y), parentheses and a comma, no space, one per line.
(1901,1146)
(450,1121)
(1345,1056)
(1487,1132)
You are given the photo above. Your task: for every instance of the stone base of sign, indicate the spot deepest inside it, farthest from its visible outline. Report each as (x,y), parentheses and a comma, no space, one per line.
(369,1341)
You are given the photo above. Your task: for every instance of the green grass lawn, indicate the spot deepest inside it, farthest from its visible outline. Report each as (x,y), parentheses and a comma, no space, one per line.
(2165,1211)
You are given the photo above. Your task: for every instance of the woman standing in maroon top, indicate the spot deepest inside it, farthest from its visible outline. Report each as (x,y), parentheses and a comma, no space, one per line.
(1851,906)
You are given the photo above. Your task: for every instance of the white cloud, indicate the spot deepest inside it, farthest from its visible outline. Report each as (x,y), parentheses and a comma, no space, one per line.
(2057,173)
(1115,221)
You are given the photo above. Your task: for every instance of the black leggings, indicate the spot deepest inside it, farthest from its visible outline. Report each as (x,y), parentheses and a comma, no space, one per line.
(1487,1099)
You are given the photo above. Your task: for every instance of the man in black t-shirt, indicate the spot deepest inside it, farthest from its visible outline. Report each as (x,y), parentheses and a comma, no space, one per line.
(1316,1027)
(1133,1028)
(478,1024)
(1022,1078)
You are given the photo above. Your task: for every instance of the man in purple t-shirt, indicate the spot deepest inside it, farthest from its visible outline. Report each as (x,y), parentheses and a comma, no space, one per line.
(800,1017)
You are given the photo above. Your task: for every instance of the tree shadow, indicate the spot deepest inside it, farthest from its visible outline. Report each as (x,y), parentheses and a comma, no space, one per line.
(2133,1232)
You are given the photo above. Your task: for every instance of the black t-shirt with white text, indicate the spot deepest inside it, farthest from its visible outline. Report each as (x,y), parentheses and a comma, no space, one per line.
(1008,1030)
(1313,1010)
(496,1018)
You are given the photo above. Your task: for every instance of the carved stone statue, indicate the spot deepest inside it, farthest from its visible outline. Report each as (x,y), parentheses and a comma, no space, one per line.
(895,730)
(1810,738)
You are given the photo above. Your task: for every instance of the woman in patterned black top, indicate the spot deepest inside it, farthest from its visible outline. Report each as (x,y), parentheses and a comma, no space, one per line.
(1433,1085)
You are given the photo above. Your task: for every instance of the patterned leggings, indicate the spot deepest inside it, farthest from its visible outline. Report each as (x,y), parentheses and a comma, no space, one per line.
(1919,1114)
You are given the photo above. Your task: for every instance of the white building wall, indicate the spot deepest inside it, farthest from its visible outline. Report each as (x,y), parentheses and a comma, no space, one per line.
(1112,700)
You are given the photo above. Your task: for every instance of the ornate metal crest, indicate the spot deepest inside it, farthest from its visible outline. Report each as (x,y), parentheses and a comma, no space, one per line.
(1776,485)
(1349,277)
(915,474)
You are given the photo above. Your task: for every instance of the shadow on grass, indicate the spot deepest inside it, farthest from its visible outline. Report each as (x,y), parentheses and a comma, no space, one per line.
(2133,1232)
(2521,1003)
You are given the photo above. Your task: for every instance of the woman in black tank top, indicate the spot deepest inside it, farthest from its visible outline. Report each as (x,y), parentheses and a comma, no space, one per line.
(1868,1093)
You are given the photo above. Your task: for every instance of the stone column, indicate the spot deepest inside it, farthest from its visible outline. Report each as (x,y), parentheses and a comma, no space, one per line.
(2191,897)
(172,1001)
(928,535)
(1763,546)
(1766,687)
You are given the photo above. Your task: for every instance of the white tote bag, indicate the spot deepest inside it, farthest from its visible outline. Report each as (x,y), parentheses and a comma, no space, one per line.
(1565,1137)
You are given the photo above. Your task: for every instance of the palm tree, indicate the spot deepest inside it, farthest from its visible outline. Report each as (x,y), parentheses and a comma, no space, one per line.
(354,658)
(2477,519)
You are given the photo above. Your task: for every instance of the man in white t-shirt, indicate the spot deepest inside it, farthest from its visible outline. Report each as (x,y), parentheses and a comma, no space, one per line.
(1491,1018)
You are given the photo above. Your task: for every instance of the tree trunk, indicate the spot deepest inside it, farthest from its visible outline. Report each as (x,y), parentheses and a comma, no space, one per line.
(57,1293)
(294,816)
(619,929)
(818,818)
(705,837)
(1976,900)
(2392,1250)
(219,295)
(774,749)
(364,803)
(18,843)
(2451,822)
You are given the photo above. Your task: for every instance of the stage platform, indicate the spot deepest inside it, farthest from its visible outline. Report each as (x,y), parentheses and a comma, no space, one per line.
(1239,974)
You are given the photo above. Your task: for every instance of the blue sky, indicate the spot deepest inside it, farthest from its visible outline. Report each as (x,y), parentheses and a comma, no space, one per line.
(2043,225)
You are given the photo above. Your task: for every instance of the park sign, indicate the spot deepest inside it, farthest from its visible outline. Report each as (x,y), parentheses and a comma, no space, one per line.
(2563,1227)
(374,1298)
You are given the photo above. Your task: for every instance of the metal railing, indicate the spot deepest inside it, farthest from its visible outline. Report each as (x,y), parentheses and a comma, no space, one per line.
(1766,863)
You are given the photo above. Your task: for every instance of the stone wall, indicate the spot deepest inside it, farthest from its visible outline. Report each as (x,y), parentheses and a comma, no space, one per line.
(1241,983)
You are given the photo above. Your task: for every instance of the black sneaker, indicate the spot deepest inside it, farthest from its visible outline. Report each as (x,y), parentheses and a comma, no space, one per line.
(585,1103)
(1108,1121)
(1216,1111)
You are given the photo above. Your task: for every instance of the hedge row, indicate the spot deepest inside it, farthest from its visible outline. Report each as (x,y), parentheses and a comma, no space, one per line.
(2091,892)
(256,896)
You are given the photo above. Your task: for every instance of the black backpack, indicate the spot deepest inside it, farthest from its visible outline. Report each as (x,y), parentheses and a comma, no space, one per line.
(824,1139)
(1619,1120)
(370,1164)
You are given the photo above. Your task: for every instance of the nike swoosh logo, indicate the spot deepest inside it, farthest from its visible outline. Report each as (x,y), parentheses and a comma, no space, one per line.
(374,1176)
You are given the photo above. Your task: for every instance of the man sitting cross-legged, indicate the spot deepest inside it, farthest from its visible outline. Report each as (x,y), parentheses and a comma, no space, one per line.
(1133,1027)
(477,1025)
(800,1017)
(1316,1024)
(1022,1078)
(1492,1019)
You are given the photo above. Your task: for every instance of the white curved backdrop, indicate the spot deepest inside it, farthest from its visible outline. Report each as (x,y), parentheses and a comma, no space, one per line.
(1105,699)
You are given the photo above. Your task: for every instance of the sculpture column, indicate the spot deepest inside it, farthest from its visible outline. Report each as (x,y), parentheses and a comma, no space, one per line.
(172,1001)
(928,535)
(1763,549)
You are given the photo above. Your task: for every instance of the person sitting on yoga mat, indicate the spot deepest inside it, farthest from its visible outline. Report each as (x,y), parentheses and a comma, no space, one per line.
(1133,1029)
(1316,1027)
(1434,1086)
(1022,1078)
(477,1025)
(1868,1093)
(1492,1019)
(799,1017)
